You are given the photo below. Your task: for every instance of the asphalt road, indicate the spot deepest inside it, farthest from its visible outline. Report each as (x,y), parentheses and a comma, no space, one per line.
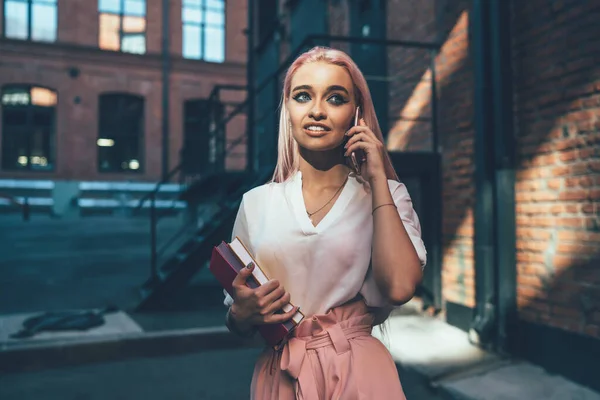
(212,375)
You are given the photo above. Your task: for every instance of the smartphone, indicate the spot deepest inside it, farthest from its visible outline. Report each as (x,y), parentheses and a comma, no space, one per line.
(357,157)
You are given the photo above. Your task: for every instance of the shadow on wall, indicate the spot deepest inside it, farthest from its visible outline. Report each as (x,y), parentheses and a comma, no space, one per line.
(557,99)
(557,80)
(557,88)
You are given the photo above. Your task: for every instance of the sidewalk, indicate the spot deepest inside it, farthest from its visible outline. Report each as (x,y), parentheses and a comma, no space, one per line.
(450,367)
(435,362)
(209,375)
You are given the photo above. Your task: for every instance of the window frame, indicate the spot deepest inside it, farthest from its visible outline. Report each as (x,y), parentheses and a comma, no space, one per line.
(123,34)
(29,4)
(30,109)
(203,8)
(141,135)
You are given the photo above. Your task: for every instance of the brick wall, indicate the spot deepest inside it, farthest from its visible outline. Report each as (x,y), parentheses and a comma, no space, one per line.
(99,71)
(557,91)
(410,90)
(455,83)
(445,22)
(78,23)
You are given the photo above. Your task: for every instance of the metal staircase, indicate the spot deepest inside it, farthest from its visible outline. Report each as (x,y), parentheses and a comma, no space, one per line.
(193,255)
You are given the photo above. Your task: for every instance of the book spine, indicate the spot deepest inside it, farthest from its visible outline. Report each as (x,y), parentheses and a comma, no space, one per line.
(221,270)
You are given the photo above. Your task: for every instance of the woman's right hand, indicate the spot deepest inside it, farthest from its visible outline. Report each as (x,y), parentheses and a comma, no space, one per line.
(258,306)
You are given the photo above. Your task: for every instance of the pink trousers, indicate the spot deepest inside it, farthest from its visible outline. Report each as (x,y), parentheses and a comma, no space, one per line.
(331,356)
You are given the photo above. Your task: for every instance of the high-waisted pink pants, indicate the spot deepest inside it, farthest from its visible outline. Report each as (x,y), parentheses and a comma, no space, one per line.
(331,356)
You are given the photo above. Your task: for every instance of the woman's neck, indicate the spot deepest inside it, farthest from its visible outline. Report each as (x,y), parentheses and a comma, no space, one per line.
(321,170)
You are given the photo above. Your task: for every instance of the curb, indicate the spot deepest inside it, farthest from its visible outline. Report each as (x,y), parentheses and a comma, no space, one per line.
(63,353)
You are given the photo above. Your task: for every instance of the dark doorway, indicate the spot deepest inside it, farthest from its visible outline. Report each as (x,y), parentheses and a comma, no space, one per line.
(203,143)
(421,174)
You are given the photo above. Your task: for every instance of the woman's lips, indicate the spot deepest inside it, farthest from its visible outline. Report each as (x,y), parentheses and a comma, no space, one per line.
(316,134)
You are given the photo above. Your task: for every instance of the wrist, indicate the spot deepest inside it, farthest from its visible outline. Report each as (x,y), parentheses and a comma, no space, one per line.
(379,178)
(238,323)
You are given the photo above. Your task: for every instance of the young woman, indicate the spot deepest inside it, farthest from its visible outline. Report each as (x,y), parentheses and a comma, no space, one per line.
(343,245)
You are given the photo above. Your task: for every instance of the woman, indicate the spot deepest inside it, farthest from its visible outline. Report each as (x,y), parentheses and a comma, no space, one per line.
(345,246)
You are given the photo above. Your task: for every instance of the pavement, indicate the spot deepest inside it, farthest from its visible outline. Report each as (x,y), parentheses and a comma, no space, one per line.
(451,367)
(210,375)
(114,324)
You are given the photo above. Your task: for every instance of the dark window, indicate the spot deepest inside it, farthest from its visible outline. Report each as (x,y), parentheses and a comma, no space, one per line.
(202,143)
(121,133)
(28,120)
(123,25)
(204,29)
(30,20)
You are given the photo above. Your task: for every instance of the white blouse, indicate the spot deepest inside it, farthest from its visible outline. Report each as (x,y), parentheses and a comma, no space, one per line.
(321,266)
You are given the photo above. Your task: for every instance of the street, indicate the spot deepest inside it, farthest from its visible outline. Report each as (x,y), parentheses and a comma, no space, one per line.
(212,375)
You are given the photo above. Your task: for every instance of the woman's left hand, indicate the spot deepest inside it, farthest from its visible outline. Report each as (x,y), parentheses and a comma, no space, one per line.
(362,137)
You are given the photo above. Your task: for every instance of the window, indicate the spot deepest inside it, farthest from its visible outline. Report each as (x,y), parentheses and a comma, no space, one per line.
(204,30)
(202,145)
(121,133)
(28,115)
(123,25)
(30,20)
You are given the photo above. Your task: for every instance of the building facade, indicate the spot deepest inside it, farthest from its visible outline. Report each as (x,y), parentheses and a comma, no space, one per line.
(82,84)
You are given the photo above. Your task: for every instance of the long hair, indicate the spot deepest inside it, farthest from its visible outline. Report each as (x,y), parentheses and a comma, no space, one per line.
(288,155)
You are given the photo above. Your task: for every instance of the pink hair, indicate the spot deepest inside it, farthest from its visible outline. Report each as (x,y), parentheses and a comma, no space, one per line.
(287,148)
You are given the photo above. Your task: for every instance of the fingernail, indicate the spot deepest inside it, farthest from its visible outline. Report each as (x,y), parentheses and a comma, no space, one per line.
(250,266)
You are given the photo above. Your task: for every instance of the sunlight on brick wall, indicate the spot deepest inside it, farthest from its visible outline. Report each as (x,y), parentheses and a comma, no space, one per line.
(455,90)
(557,85)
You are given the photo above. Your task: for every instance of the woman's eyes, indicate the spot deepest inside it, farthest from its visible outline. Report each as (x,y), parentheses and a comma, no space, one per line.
(302,97)
(334,99)
(337,100)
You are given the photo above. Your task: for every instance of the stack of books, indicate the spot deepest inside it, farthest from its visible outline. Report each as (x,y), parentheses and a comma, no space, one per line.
(226,262)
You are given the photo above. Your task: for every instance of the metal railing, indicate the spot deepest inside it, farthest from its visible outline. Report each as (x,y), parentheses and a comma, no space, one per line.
(186,180)
(22,204)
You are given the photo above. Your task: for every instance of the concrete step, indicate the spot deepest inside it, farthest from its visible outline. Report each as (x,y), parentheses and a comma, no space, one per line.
(516,381)
(89,348)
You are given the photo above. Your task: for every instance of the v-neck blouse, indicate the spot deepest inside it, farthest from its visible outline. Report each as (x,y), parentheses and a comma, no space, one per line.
(321,266)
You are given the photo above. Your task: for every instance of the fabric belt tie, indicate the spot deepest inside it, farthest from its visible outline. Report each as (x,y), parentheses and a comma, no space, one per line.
(293,356)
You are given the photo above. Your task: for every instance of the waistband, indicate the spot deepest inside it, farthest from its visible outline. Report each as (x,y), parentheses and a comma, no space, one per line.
(336,328)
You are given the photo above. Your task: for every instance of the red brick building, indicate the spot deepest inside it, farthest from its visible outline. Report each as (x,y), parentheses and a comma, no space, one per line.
(82,83)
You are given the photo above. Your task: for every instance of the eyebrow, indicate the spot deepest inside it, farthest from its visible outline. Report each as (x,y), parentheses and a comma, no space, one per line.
(329,89)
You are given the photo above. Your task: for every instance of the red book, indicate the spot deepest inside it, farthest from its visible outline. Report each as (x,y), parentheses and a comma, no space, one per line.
(226,262)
